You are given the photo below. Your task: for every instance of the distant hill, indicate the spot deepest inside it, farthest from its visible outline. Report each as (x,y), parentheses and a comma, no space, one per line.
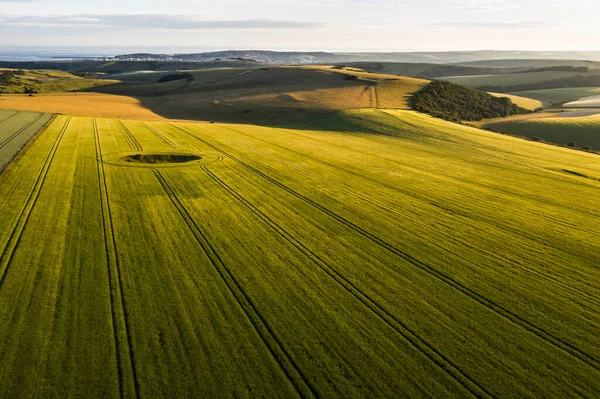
(535,63)
(421,65)
(259,95)
(18,81)
(490,67)
(295,58)
(116,67)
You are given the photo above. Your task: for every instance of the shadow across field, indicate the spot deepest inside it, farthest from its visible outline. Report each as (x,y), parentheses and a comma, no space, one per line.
(262,96)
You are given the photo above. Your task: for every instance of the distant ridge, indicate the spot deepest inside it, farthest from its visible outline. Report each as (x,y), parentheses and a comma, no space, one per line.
(319,57)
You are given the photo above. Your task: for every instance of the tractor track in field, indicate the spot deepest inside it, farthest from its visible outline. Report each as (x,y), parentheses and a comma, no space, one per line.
(482,147)
(270,340)
(512,263)
(17,232)
(10,116)
(394,323)
(125,358)
(420,198)
(438,275)
(161,136)
(129,138)
(21,130)
(507,193)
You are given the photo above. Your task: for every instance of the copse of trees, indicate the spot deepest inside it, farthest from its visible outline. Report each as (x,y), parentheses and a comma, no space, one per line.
(458,103)
(177,76)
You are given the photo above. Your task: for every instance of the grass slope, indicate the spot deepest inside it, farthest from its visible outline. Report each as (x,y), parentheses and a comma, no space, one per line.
(265,96)
(586,102)
(521,101)
(583,131)
(47,81)
(532,63)
(553,97)
(513,79)
(426,70)
(16,129)
(369,253)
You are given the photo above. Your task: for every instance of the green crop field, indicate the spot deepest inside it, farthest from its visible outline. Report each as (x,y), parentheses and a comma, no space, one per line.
(582,130)
(586,102)
(511,79)
(552,97)
(363,254)
(16,129)
(45,81)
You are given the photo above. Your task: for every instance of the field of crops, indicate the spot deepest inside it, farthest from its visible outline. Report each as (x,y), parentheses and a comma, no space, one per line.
(364,254)
(255,96)
(510,79)
(552,97)
(82,104)
(16,129)
(584,131)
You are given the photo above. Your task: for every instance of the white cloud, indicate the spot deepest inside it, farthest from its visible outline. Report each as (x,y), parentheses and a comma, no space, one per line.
(151,21)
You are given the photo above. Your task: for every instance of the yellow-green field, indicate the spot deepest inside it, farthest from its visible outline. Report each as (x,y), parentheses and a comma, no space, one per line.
(584,131)
(363,254)
(512,79)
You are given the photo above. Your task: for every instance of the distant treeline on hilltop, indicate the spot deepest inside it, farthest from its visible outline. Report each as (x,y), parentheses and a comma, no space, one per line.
(564,68)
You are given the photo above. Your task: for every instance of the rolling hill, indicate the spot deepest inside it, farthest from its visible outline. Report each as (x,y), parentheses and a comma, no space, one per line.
(20,81)
(580,131)
(369,253)
(509,81)
(585,102)
(555,97)
(242,95)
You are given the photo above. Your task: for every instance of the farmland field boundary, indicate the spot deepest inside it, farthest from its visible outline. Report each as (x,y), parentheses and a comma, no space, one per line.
(21,130)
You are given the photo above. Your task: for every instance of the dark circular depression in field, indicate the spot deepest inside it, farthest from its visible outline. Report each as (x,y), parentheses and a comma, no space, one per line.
(160,158)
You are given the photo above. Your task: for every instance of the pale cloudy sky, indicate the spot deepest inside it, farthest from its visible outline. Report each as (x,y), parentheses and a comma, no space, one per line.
(342,25)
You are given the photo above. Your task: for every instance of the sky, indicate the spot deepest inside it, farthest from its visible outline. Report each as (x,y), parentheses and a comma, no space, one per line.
(327,25)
